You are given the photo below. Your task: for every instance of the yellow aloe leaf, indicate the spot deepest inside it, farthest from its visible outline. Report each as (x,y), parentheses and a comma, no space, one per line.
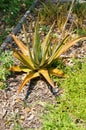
(57,48)
(19,68)
(68,45)
(21,45)
(27,78)
(63,47)
(45,74)
(24,59)
(56,72)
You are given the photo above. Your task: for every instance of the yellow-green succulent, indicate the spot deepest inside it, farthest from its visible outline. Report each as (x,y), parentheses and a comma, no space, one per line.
(36,61)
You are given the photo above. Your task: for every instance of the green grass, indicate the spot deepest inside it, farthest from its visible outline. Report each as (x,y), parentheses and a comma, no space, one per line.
(17,126)
(70,111)
(6,61)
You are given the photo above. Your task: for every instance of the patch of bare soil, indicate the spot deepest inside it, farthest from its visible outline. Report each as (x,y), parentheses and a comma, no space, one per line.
(14,108)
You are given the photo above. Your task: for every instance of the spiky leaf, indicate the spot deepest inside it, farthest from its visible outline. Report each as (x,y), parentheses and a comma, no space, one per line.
(46,45)
(45,74)
(21,45)
(20,68)
(24,59)
(64,47)
(37,47)
(56,72)
(68,45)
(27,79)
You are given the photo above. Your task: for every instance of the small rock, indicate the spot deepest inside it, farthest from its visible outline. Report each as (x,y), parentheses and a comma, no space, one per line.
(30,118)
(22,117)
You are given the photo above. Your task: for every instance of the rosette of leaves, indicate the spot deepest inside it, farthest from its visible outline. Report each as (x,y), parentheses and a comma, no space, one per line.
(37,61)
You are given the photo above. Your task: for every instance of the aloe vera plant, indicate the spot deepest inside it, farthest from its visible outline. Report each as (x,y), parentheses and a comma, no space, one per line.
(36,61)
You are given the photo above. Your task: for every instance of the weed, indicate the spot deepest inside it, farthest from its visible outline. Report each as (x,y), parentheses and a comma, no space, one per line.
(59,12)
(79,10)
(17,126)
(45,28)
(51,12)
(6,61)
(80,31)
(4,34)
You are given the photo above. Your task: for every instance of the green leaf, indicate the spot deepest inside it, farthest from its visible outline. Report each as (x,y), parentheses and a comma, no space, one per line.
(45,45)
(37,47)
